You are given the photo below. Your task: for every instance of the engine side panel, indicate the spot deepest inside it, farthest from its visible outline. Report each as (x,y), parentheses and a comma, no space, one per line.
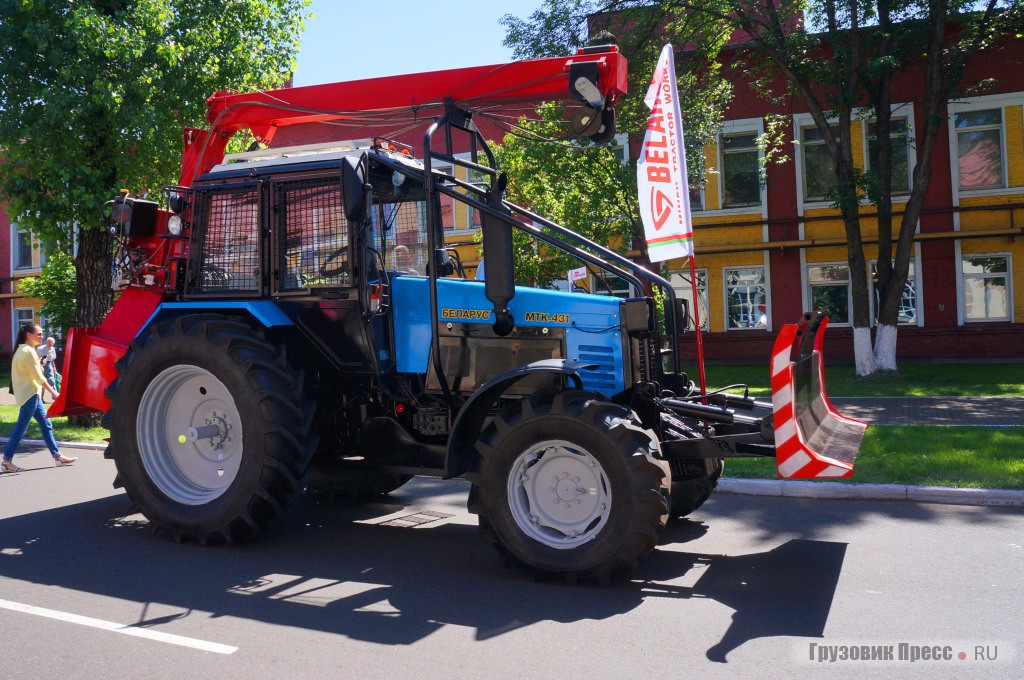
(590,325)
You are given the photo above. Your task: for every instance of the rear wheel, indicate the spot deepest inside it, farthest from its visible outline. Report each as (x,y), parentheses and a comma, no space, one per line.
(208,428)
(568,484)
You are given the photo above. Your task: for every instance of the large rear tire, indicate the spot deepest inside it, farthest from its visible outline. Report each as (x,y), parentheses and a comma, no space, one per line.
(569,484)
(209,429)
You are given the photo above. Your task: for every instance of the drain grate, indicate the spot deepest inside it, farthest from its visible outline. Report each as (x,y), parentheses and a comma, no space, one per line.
(416,519)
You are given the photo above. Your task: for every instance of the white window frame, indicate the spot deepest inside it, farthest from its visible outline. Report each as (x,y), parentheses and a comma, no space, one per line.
(915,261)
(808,297)
(722,154)
(1000,127)
(702,291)
(597,288)
(731,128)
(767,298)
(996,101)
(35,251)
(903,111)
(621,141)
(801,122)
(961,302)
(17,323)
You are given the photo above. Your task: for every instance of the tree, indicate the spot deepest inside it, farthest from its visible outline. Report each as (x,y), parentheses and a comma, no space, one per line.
(580,185)
(94,97)
(845,52)
(55,285)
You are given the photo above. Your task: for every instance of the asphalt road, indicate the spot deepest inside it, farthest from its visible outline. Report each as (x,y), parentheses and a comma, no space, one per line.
(742,590)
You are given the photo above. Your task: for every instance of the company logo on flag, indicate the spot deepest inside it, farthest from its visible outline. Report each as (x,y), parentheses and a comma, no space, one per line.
(662,185)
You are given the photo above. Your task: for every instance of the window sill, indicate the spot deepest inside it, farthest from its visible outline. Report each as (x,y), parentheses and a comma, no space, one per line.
(982,193)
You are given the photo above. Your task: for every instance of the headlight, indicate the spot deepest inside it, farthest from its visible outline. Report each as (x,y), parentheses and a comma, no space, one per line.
(174,225)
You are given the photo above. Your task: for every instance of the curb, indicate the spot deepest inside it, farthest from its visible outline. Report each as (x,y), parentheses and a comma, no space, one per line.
(883,492)
(797,489)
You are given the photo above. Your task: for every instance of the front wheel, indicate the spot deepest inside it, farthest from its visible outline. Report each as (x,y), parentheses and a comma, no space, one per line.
(208,428)
(569,484)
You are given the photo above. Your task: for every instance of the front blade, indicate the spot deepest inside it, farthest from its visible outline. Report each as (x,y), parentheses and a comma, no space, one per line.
(812,439)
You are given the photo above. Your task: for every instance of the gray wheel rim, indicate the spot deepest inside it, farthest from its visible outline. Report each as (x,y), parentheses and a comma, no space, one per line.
(189,435)
(559,494)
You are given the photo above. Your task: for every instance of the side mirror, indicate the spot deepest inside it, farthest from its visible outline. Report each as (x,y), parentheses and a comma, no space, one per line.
(353,187)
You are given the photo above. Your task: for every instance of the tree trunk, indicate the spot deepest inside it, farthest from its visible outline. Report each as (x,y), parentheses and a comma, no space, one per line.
(885,347)
(94,294)
(93,276)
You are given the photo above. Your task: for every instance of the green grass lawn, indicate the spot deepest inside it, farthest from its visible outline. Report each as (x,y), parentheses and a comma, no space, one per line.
(62,431)
(928,455)
(917,454)
(913,380)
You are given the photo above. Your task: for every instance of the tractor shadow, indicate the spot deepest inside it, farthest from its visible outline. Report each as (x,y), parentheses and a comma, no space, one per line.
(329,567)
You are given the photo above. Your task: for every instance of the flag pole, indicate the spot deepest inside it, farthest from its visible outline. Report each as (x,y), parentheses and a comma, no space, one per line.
(697,323)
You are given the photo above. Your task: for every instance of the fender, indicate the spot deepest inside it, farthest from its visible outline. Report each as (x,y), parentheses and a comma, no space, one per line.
(470,421)
(91,354)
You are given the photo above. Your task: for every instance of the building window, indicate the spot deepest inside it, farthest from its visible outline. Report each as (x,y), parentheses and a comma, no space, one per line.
(979,141)
(620,147)
(745,298)
(21,252)
(907,314)
(22,316)
(683,286)
(819,174)
(829,286)
(696,198)
(899,153)
(740,180)
(986,286)
(605,284)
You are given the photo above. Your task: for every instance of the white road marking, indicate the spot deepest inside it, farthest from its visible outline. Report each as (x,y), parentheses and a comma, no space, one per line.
(119,628)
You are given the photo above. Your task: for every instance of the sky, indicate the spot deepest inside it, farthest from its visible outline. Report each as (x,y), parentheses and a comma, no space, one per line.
(351,40)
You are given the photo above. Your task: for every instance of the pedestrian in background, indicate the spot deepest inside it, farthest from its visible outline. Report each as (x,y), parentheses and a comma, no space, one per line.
(28,383)
(48,359)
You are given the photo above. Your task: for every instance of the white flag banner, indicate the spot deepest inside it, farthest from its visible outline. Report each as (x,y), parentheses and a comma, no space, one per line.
(662,185)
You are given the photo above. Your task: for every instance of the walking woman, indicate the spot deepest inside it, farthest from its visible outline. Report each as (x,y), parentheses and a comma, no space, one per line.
(28,382)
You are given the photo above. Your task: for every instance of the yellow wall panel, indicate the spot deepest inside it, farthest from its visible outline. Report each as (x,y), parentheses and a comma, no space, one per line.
(728,235)
(835,254)
(857,143)
(711,177)
(991,219)
(1014,145)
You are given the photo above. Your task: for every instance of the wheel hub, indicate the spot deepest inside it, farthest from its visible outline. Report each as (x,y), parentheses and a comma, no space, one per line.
(189,434)
(559,494)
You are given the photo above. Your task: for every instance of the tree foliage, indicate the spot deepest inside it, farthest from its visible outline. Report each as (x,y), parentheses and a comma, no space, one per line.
(55,285)
(840,58)
(582,186)
(94,97)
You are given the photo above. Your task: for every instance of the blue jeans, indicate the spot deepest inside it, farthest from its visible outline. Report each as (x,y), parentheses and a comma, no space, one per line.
(33,408)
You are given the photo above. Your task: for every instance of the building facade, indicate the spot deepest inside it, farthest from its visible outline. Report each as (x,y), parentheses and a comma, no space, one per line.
(20,257)
(767,251)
